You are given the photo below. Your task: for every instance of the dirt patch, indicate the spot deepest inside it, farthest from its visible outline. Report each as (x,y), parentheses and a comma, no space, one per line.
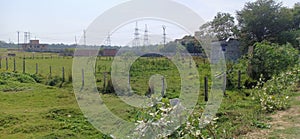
(284,124)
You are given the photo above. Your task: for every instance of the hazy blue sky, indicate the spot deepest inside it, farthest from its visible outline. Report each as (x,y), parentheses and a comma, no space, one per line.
(59,21)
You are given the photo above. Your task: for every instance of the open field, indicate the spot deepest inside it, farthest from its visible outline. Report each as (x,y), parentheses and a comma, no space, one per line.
(37,110)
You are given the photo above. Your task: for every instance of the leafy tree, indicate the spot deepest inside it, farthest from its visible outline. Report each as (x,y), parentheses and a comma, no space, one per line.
(296,15)
(222,27)
(263,20)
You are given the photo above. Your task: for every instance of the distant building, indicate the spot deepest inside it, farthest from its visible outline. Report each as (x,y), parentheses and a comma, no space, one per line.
(230,48)
(34,46)
(109,52)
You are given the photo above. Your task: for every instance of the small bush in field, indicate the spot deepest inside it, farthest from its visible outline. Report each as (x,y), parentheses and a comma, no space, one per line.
(274,94)
(53,81)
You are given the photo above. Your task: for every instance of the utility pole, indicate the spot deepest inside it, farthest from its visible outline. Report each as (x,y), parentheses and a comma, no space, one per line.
(164,34)
(146,36)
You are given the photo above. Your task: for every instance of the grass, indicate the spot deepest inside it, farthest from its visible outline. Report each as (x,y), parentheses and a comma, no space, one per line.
(36,110)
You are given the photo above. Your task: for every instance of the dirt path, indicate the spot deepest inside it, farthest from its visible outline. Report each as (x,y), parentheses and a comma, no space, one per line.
(284,124)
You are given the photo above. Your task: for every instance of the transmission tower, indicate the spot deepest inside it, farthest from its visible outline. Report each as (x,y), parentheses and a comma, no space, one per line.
(164,34)
(136,41)
(146,36)
(108,40)
(26,37)
(84,37)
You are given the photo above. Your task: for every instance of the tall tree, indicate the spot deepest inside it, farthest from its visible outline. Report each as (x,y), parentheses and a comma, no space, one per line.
(263,20)
(296,14)
(222,27)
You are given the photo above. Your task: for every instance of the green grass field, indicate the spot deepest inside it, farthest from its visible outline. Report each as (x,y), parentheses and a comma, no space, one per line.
(37,110)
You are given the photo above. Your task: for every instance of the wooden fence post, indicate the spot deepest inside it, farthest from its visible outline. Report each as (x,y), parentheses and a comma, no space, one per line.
(63,74)
(36,68)
(239,79)
(82,78)
(24,66)
(50,68)
(206,89)
(0,62)
(104,80)
(163,87)
(14,64)
(6,60)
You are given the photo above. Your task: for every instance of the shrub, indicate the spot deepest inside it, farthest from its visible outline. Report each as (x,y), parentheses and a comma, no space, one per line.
(53,81)
(232,74)
(274,94)
(271,59)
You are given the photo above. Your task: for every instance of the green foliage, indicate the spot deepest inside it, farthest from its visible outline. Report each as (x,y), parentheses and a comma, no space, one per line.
(290,37)
(233,71)
(263,20)
(22,78)
(38,78)
(222,27)
(275,93)
(109,88)
(272,59)
(53,81)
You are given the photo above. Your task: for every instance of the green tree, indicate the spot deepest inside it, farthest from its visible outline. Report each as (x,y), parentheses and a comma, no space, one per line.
(263,20)
(296,15)
(222,27)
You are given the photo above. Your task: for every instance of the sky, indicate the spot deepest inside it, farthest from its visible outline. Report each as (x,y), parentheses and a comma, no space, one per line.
(59,21)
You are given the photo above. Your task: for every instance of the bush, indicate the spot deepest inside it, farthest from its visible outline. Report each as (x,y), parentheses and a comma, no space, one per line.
(232,75)
(53,81)
(271,59)
(37,78)
(22,78)
(274,94)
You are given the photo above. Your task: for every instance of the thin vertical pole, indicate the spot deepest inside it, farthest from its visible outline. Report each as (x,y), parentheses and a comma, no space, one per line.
(36,68)
(14,64)
(206,89)
(82,77)
(0,62)
(6,60)
(163,87)
(50,68)
(239,80)
(63,74)
(24,65)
